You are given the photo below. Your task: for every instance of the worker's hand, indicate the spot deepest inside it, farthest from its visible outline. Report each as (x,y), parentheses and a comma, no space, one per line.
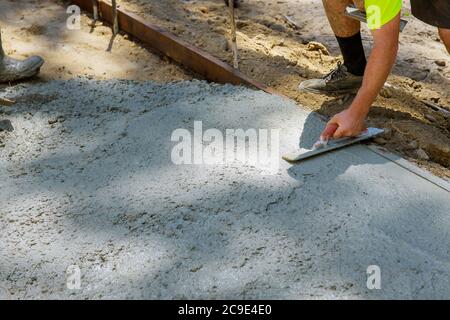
(347,123)
(329,131)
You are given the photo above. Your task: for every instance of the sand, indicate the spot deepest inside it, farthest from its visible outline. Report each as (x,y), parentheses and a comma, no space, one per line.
(39,27)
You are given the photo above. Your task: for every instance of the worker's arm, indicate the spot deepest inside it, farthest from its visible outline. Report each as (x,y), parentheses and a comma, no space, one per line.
(350,122)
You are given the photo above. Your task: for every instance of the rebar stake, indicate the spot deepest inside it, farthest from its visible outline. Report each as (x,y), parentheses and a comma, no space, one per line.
(2,53)
(95,10)
(234,47)
(115,19)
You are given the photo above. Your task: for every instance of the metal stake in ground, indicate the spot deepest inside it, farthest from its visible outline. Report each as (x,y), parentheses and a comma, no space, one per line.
(95,9)
(234,47)
(115,19)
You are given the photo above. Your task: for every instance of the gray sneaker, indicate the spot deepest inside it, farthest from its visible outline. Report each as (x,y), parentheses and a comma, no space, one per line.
(337,81)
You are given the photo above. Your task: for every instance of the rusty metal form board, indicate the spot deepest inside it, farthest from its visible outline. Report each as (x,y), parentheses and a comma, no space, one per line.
(173,47)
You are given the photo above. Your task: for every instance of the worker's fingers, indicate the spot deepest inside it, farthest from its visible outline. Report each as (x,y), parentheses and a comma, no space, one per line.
(329,131)
(339,133)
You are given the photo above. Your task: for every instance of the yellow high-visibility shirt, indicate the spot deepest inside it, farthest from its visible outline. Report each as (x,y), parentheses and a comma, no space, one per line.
(380,12)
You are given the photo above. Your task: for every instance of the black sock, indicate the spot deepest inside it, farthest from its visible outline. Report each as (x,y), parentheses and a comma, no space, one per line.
(353,52)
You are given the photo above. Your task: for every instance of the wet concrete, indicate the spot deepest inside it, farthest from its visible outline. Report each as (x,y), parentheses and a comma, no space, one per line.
(87,180)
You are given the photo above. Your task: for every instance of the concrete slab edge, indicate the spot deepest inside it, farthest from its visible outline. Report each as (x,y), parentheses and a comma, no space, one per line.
(405,164)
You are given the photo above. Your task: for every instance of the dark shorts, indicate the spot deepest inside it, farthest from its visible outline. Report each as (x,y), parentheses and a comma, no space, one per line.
(433,12)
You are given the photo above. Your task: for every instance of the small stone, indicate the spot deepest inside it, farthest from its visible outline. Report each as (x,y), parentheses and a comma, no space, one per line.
(224,44)
(422,155)
(204,9)
(380,140)
(303,74)
(5,125)
(52,120)
(430,118)
(277,27)
(241,24)
(440,63)
(386,93)
(317,46)
(413,145)
(195,269)
(387,132)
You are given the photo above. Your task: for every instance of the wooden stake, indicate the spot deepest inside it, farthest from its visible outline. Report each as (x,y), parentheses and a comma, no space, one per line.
(234,47)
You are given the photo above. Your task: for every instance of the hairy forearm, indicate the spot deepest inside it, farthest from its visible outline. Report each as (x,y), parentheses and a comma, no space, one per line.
(377,71)
(350,122)
(379,66)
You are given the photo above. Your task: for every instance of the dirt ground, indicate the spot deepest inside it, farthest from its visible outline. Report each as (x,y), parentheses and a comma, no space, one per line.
(281,43)
(284,42)
(39,27)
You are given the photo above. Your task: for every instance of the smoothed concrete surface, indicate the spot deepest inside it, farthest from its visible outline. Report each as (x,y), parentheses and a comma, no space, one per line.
(87,180)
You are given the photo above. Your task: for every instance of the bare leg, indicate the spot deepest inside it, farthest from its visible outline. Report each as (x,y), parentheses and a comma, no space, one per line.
(445,36)
(342,25)
(347,32)
(347,77)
